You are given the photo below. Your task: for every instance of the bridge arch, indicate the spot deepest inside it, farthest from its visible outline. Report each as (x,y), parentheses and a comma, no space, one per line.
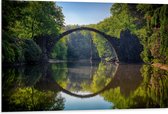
(107,87)
(114,42)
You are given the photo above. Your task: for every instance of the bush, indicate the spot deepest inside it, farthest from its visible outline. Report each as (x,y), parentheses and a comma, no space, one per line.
(8,55)
(32,51)
(12,51)
(16,50)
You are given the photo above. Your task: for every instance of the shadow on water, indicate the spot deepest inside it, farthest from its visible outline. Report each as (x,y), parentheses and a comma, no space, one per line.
(20,92)
(146,89)
(42,87)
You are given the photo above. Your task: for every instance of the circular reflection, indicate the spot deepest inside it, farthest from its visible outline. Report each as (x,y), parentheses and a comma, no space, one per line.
(83,79)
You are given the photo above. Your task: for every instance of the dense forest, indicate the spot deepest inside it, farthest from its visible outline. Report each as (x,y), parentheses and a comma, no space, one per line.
(23,21)
(40,87)
(148,22)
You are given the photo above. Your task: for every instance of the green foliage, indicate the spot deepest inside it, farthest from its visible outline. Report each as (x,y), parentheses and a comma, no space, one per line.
(102,76)
(146,55)
(8,52)
(152,92)
(115,96)
(103,46)
(148,22)
(22,93)
(29,98)
(32,51)
(25,20)
(60,50)
(119,20)
(75,46)
(11,12)
(82,80)
(80,46)
(59,74)
(29,19)
(12,50)
(154,85)
(35,18)
(16,50)
(155,40)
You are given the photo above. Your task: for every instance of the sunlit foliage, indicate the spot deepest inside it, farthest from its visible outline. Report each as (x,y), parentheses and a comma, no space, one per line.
(60,50)
(29,19)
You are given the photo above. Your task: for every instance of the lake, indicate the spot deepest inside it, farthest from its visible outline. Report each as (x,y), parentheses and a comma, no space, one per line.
(83,85)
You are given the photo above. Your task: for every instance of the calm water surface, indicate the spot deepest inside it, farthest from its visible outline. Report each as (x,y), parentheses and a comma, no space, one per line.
(83,86)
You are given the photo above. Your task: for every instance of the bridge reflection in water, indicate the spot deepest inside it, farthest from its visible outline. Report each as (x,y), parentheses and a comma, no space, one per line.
(82,73)
(83,85)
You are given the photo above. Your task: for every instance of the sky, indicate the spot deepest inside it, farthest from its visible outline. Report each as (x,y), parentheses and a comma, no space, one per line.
(82,13)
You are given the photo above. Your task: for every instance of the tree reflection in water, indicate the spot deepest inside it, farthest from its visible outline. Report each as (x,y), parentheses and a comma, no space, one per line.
(20,92)
(151,93)
(126,85)
(83,77)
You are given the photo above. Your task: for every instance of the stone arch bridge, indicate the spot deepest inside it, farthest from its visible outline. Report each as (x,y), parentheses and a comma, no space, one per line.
(127,47)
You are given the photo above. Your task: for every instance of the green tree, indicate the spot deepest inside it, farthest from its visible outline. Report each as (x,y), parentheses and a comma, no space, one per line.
(148,22)
(25,20)
(38,18)
(60,50)
(155,40)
